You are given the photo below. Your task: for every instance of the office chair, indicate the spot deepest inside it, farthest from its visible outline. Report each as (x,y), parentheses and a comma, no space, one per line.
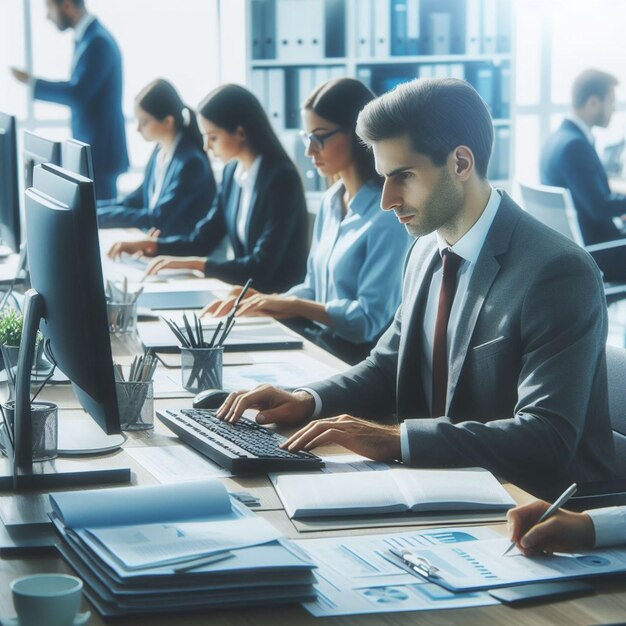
(554,207)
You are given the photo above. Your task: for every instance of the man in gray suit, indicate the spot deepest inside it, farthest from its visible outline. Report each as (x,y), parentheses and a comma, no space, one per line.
(496,356)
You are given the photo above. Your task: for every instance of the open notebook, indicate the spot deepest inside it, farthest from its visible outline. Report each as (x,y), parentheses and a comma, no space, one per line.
(390,491)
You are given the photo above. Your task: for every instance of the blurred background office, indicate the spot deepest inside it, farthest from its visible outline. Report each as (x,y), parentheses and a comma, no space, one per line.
(521,55)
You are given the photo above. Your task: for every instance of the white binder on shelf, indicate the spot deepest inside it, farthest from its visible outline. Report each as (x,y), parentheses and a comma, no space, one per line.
(472,27)
(364,28)
(300,30)
(412,26)
(313,30)
(276,97)
(382,28)
(441,70)
(337,71)
(505,91)
(440,33)
(456,70)
(306,83)
(364,74)
(258,86)
(426,70)
(321,75)
(490,26)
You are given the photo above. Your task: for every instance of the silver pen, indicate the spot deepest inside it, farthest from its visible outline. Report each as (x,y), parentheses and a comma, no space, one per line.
(551,510)
(418,564)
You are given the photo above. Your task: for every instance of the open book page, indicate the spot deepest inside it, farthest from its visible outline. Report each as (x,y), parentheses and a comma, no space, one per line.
(451,489)
(350,493)
(142,505)
(153,545)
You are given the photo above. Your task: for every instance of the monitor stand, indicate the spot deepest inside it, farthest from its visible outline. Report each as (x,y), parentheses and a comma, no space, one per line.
(19,472)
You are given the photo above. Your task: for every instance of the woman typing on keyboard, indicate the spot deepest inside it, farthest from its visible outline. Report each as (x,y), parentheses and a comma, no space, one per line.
(260,206)
(354,270)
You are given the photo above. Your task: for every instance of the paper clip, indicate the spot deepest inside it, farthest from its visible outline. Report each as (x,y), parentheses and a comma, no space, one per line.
(418,564)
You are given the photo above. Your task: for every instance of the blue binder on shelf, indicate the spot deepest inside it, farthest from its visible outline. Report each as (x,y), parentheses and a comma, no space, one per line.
(398,27)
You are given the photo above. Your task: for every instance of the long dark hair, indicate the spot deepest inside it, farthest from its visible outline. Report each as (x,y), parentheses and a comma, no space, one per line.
(340,101)
(160,99)
(230,106)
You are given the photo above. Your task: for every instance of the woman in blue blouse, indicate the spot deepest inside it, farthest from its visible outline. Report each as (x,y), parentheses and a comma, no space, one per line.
(179,184)
(354,270)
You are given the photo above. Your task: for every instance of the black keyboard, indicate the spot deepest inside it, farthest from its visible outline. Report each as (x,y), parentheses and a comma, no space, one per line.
(244,447)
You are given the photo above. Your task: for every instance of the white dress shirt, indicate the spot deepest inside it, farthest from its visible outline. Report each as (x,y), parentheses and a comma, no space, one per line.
(246,179)
(586,130)
(468,248)
(79,32)
(610,525)
(163,160)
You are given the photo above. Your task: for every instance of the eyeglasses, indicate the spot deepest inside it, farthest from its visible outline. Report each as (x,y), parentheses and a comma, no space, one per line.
(316,142)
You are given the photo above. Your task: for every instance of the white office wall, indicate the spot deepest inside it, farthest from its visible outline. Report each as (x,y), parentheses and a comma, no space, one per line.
(158,38)
(557,39)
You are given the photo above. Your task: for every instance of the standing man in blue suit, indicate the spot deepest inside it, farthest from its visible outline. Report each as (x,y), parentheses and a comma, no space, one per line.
(569,160)
(93,92)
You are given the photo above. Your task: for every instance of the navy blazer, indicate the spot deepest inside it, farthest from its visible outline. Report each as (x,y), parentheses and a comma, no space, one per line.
(276,247)
(569,160)
(94,95)
(188,189)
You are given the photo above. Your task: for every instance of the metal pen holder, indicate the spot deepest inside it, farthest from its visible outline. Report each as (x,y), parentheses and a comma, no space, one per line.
(135,402)
(45,426)
(201,368)
(122,317)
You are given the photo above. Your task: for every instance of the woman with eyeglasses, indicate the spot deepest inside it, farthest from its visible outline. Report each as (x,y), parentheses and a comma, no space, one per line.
(354,270)
(260,205)
(179,183)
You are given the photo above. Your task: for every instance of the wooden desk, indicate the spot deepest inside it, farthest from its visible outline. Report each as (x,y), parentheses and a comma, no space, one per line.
(609,605)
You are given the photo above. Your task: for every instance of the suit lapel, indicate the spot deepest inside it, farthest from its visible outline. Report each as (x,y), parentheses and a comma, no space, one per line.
(485,272)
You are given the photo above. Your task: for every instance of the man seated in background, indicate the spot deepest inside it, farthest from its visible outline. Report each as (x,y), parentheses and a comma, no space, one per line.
(493,358)
(569,160)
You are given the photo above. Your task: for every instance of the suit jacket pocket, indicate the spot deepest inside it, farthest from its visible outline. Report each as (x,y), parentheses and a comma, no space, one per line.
(489,348)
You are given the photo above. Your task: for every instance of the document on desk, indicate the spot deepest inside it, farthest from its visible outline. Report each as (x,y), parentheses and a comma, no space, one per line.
(156,545)
(356,576)
(393,490)
(175,464)
(480,565)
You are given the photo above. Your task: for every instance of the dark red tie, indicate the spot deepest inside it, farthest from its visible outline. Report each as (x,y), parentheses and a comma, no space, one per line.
(451,263)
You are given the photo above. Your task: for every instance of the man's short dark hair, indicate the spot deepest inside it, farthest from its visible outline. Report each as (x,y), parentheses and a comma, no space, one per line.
(437,114)
(79,4)
(591,83)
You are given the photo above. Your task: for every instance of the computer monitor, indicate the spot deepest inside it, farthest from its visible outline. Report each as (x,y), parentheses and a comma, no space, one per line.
(76,157)
(10,232)
(38,150)
(67,304)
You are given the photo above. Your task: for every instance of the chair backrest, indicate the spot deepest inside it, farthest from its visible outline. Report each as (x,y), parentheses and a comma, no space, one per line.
(554,207)
(616,372)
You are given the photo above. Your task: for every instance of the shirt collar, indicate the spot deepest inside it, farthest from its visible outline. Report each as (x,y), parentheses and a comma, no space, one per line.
(166,157)
(469,246)
(82,25)
(586,130)
(247,178)
(363,198)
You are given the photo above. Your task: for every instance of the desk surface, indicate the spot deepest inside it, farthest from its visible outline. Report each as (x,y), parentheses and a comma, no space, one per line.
(608,605)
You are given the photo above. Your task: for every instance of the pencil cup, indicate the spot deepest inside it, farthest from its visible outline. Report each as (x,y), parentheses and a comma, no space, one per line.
(45,428)
(201,368)
(122,317)
(135,401)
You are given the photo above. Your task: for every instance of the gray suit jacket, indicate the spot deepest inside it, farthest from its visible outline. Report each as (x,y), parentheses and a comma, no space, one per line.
(527,385)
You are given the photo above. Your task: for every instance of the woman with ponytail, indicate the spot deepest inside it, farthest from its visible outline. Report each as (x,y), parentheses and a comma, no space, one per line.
(260,207)
(179,185)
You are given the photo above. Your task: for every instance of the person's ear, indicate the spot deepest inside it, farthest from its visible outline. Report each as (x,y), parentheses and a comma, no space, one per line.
(169,122)
(463,162)
(241,134)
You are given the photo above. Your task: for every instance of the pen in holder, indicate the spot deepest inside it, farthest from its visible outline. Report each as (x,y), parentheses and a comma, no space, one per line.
(121,307)
(135,396)
(201,361)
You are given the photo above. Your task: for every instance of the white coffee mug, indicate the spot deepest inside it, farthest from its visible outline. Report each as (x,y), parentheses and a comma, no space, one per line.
(51,599)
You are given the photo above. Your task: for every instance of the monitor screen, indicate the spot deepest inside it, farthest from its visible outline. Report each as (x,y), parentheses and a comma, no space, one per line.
(10,232)
(76,157)
(65,269)
(38,150)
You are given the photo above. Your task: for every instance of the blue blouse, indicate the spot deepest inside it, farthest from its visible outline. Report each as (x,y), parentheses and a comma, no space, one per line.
(355,264)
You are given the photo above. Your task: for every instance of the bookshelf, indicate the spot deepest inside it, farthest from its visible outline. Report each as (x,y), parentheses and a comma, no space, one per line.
(294,45)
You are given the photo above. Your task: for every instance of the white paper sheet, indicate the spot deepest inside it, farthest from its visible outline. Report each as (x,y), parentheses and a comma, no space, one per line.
(355,577)
(175,464)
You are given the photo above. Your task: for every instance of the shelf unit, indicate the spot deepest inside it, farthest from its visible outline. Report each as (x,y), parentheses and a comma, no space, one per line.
(292,46)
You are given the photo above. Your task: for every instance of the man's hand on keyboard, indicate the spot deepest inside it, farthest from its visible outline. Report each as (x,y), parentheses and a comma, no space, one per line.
(275,405)
(375,441)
